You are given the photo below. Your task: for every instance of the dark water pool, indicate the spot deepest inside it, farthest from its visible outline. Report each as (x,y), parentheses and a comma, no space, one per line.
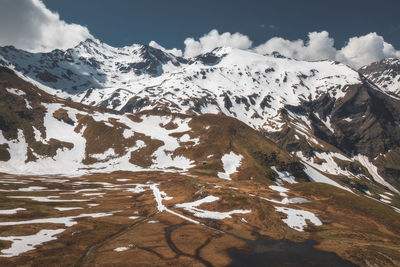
(266,252)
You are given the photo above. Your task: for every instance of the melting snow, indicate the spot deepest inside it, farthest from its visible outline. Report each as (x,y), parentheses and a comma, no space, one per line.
(192,207)
(366,191)
(109,153)
(27,105)
(66,209)
(32,189)
(396,209)
(285,176)
(15,91)
(329,165)
(12,211)
(49,199)
(67,221)
(317,177)
(93,194)
(120,249)
(160,206)
(296,219)
(282,192)
(186,138)
(279,188)
(230,163)
(212,109)
(152,126)
(21,244)
(373,170)
(128,133)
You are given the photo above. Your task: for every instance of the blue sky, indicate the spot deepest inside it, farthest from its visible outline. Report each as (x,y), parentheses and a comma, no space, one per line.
(169,22)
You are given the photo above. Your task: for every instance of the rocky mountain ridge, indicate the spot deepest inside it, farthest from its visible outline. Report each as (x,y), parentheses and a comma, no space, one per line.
(312,109)
(385,74)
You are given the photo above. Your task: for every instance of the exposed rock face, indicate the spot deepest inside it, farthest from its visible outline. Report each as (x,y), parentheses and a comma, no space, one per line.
(385,74)
(364,121)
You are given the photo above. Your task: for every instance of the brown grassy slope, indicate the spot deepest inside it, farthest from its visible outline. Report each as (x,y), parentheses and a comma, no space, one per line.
(220,135)
(15,115)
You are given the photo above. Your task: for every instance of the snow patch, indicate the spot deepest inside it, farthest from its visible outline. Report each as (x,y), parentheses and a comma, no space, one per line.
(67,221)
(121,249)
(15,91)
(200,213)
(66,209)
(285,176)
(27,104)
(48,199)
(318,177)
(12,211)
(109,153)
(128,133)
(373,170)
(21,244)
(230,163)
(296,219)
(329,165)
(32,189)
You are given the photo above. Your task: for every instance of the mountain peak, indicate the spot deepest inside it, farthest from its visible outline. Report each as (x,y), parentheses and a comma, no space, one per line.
(89,42)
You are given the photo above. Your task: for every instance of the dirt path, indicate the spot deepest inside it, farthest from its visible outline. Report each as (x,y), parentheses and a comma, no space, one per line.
(96,246)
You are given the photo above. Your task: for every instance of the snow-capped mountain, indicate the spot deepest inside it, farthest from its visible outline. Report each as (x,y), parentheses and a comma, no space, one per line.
(237,83)
(312,109)
(385,74)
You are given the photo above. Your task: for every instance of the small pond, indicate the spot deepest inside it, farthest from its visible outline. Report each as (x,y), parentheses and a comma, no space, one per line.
(267,252)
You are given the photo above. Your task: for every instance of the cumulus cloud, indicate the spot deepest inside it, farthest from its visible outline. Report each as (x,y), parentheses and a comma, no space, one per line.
(29,25)
(318,46)
(213,39)
(357,52)
(366,49)
(174,51)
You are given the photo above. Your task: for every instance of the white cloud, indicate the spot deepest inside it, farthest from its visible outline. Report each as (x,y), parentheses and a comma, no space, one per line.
(318,46)
(213,39)
(360,51)
(357,52)
(29,25)
(174,51)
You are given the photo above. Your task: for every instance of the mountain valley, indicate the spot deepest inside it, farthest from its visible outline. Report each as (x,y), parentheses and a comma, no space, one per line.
(112,154)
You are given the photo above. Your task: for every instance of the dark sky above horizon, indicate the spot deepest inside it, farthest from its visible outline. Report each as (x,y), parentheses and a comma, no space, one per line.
(169,22)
